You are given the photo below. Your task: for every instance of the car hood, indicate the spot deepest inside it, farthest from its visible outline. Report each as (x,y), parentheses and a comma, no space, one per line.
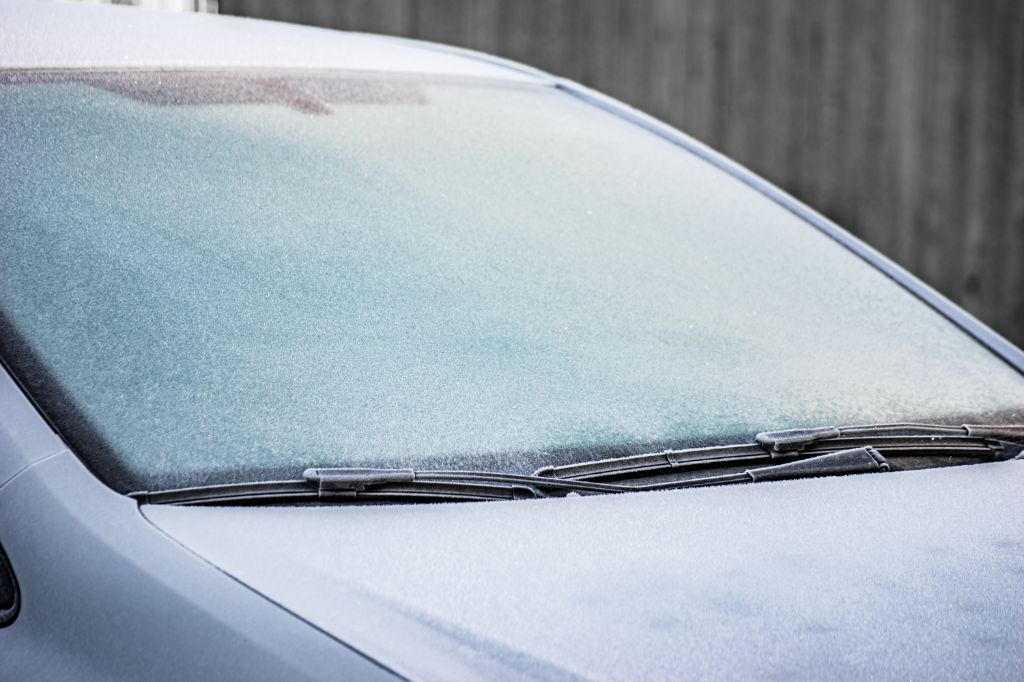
(914,574)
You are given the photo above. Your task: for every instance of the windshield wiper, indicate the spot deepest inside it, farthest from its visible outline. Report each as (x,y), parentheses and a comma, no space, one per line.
(796,453)
(970,441)
(367,485)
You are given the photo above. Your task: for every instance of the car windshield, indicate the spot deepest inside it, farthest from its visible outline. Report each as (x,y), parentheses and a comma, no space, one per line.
(217,277)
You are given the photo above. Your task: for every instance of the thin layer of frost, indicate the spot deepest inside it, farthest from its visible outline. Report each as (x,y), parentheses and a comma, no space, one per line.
(486,277)
(915,575)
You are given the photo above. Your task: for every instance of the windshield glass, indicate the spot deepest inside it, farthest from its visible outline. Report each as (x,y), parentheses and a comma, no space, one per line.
(211,277)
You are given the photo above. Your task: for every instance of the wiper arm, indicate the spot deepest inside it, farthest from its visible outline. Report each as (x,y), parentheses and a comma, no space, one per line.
(354,484)
(891,440)
(839,463)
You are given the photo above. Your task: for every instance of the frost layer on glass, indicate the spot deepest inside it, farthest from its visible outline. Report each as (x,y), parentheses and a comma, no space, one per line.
(209,289)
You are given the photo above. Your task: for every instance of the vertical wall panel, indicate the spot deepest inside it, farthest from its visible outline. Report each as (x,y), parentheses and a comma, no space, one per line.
(903,115)
(481,25)
(1011,270)
(668,66)
(697,110)
(903,120)
(600,44)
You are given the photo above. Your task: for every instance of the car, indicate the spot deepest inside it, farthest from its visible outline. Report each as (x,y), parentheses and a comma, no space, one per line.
(338,356)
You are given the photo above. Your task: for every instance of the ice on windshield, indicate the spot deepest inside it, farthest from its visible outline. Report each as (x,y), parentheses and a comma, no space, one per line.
(496,276)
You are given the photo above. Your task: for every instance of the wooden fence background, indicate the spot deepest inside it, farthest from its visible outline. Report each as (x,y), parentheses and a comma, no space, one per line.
(902,120)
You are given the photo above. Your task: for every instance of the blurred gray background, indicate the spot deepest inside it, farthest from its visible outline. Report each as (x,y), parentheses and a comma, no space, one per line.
(902,120)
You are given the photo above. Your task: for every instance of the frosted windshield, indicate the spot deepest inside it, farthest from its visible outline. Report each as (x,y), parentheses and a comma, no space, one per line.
(208,280)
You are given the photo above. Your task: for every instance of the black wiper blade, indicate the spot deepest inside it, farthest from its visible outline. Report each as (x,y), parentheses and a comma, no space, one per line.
(984,441)
(364,484)
(355,482)
(367,485)
(796,453)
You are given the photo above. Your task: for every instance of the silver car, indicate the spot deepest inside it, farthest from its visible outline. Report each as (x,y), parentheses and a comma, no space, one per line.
(281,307)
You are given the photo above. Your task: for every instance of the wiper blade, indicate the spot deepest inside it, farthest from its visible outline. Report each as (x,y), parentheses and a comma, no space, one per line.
(354,484)
(979,441)
(363,484)
(797,453)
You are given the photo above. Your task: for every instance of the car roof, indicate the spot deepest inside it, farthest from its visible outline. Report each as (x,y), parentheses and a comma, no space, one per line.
(37,34)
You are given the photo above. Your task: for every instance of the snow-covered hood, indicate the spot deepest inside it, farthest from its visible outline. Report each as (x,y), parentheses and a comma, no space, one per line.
(902,575)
